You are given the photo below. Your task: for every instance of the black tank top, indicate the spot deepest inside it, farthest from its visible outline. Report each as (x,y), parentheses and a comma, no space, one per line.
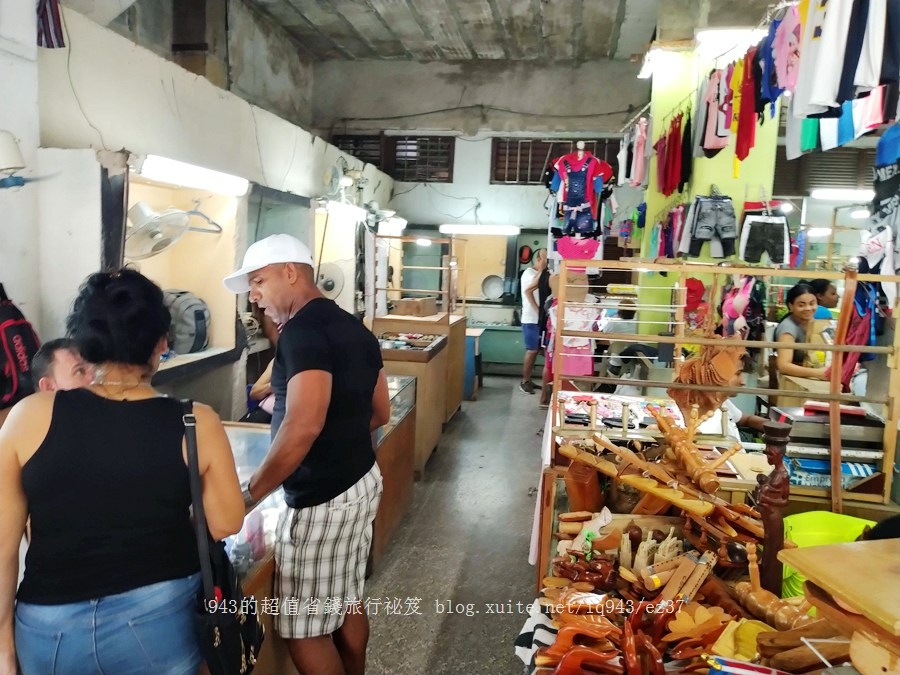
(109,498)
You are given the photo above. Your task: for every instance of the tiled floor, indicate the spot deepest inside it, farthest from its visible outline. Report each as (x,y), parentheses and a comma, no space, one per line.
(464,543)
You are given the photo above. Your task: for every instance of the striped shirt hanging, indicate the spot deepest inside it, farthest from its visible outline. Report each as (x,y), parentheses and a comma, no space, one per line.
(50,32)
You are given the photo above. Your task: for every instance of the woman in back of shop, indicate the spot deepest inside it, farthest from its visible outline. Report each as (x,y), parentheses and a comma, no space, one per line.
(796,327)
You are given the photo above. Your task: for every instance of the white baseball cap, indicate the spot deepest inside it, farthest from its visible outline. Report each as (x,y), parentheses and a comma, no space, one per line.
(278,248)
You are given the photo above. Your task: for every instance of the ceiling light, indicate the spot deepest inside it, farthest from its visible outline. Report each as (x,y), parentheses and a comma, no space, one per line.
(173,172)
(423,242)
(860,214)
(786,208)
(457,228)
(842,195)
(726,44)
(647,67)
(815,232)
(10,155)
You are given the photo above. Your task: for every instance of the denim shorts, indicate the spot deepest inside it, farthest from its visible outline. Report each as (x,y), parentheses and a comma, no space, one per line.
(532,336)
(714,217)
(146,631)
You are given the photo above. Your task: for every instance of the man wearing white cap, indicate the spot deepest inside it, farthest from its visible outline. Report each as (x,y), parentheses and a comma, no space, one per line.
(330,393)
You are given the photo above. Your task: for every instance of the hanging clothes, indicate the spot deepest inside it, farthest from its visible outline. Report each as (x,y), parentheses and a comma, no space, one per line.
(713,141)
(786,49)
(856,35)
(769,88)
(823,47)
(640,153)
(746,127)
(686,154)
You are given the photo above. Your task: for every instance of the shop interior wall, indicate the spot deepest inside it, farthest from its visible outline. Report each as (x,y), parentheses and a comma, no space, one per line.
(69,226)
(562,100)
(245,52)
(107,91)
(198,261)
(19,235)
(676,77)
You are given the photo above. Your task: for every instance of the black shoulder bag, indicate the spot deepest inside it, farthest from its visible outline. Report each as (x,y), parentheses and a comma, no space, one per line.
(228,625)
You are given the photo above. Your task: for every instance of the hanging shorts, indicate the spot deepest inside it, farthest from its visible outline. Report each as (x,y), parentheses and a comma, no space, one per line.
(767,234)
(714,216)
(320,560)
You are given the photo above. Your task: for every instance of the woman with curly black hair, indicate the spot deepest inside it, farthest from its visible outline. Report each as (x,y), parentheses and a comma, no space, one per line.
(112,570)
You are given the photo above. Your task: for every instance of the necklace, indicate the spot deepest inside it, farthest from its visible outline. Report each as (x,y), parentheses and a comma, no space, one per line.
(110,383)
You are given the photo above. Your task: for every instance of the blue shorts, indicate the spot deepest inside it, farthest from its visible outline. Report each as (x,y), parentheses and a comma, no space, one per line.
(532,336)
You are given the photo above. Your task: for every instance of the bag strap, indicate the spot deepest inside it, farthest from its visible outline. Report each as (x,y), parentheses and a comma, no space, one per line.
(200,527)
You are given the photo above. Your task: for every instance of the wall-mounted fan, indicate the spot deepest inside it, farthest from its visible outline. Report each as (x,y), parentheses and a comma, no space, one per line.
(330,280)
(11,162)
(150,233)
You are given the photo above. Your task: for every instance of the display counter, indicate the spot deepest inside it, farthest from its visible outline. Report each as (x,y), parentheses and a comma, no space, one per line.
(454,328)
(429,367)
(252,549)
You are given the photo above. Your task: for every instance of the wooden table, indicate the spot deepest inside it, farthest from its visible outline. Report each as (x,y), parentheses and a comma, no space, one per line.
(864,576)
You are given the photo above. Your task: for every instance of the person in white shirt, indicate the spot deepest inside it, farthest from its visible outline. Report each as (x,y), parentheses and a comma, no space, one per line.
(732,416)
(531,331)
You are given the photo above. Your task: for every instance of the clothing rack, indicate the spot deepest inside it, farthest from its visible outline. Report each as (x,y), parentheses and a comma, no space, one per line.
(877,492)
(634,118)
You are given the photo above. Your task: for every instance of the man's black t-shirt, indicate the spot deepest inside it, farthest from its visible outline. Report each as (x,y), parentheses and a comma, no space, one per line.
(322,336)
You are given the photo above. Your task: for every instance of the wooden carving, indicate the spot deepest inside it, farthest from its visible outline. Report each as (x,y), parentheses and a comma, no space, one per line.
(771,497)
(782,614)
(714,366)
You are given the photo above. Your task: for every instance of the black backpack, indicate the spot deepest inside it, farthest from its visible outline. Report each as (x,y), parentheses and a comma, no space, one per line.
(18,345)
(189,330)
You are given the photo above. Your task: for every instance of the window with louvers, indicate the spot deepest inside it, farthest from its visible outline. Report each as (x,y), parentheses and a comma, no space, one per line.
(525,161)
(368,148)
(420,159)
(847,168)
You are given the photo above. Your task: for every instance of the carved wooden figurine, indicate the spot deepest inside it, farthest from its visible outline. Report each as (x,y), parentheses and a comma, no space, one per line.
(772,496)
(782,614)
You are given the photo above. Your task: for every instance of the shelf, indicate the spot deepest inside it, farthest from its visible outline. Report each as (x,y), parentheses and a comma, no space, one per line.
(184,359)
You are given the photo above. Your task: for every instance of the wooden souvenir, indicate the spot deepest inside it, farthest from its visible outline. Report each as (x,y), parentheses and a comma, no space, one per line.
(771,497)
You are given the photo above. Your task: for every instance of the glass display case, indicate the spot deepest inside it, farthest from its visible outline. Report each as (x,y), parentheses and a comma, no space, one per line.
(402,392)
(250,443)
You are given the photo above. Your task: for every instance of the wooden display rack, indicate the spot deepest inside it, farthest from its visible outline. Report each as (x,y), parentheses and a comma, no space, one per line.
(683,270)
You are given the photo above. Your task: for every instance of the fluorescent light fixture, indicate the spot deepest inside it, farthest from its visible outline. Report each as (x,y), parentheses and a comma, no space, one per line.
(729,36)
(816,232)
(173,172)
(346,212)
(647,66)
(860,214)
(422,241)
(457,228)
(842,195)
(725,44)
(787,208)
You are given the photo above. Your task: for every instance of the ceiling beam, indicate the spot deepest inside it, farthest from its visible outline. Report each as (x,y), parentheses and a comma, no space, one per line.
(423,26)
(501,28)
(328,6)
(537,9)
(462,28)
(99,11)
(264,13)
(372,8)
(616,32)
(578,33)
(338,46)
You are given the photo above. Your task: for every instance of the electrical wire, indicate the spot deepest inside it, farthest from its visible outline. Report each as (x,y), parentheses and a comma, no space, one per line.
(483,108)
(65,26)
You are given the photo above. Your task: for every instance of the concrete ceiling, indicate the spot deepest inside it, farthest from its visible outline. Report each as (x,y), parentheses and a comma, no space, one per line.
(465,30)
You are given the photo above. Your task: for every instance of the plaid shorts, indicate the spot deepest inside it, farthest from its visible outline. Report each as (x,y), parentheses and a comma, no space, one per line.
(320,559)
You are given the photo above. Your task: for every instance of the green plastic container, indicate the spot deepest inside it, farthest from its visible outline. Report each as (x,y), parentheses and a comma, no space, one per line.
(816,528)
